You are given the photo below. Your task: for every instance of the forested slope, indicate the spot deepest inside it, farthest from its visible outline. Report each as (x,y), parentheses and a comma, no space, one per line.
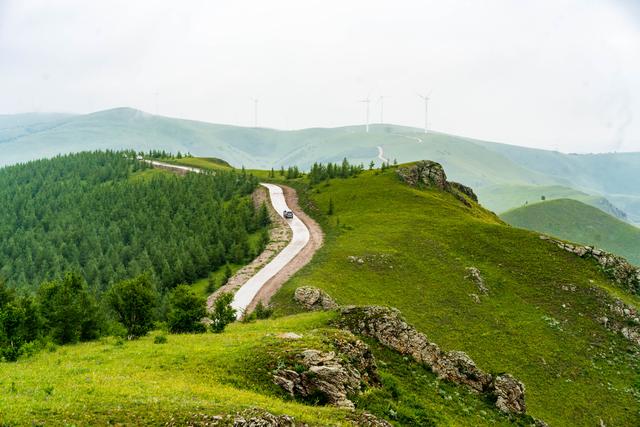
(104,215)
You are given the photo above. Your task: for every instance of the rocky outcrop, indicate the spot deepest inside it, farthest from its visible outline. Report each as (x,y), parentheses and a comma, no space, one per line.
(330,376)
(314,299)
(253,417)
(615,267)
(387,326)
(623,319)
(474,275)
(509,393)
(467,191)
(431,174)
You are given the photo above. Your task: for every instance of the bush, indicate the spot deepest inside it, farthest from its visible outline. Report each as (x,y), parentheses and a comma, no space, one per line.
(186,310)
(160,339)
(134,302)
(223,313)
(263,312)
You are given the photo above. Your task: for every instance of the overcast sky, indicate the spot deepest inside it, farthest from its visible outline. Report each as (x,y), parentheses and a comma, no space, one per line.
(556,74)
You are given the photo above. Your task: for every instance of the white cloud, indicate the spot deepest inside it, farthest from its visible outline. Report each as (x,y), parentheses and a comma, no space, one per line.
(552,74)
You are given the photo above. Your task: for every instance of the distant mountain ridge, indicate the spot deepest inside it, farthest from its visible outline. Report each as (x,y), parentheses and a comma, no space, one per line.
(480,164)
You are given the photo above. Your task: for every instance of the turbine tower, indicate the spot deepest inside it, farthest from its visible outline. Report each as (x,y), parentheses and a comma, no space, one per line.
(382,97)
(255,112)
(367,101)
(426,111)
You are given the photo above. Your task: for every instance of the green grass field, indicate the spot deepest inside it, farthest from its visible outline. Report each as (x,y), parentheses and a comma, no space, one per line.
(141,383)
(416,245)
(578,222)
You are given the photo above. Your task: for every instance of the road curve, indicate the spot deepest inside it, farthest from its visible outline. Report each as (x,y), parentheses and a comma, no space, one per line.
(300,237)
(381,155)
(299,240)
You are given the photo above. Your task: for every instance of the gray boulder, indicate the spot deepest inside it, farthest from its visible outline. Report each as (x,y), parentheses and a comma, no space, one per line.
(314,299)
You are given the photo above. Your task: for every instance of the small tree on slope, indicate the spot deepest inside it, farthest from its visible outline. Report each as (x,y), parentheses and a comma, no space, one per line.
(134,301)
(223,313)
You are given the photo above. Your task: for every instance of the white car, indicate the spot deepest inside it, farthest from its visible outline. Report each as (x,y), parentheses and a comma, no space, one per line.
(287,214)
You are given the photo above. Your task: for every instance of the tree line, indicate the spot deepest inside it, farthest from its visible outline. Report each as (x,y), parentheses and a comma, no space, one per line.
(84,213)
(66,311)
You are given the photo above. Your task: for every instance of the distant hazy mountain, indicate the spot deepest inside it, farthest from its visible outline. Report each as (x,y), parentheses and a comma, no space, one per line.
(485,166)
(575,221)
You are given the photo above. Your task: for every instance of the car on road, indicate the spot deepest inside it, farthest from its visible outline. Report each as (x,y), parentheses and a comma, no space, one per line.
(287,214)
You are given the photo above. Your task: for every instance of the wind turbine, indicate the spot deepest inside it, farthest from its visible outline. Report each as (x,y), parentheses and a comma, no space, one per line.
(381,99)
(426,110)
(255,112)
(367,101)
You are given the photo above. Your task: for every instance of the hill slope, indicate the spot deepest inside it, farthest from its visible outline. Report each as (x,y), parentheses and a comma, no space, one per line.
(390,244)
(502,198)
(575,221)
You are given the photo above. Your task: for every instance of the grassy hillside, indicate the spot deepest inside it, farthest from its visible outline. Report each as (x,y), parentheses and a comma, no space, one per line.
(415,246)
(578,222)
(143,383)
(476,163)
(501,198)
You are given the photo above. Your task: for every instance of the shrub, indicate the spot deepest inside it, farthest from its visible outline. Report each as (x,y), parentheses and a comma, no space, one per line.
(186,310)
(262,311)
(223,313)
(160,339)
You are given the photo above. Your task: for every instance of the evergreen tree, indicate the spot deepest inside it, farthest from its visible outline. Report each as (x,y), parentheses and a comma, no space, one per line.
(69,311)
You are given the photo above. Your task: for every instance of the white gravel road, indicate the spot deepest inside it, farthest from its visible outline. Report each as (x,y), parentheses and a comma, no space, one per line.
(300,238)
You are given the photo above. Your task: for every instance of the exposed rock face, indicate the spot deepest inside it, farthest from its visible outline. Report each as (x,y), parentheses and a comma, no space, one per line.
(510,394)
(314,299)
(468,191)
(474,275)
(623,319)
(431,174)
(616,267)
(426,173)
(388,327)
(330,375)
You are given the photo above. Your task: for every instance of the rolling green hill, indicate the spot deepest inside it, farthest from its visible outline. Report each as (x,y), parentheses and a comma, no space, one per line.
(386,243)
(578,222)
(415,246)
(502,198)
(480,164)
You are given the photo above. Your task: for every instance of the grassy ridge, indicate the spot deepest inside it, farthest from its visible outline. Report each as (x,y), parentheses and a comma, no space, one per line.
(578,222)
(415,246)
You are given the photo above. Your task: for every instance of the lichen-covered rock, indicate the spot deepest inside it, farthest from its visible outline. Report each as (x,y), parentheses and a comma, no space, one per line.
(330,375)
(509,394)
(314,299)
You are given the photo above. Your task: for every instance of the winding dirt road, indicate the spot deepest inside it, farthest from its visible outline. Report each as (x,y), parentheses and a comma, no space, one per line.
(306,239)
(300,237)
